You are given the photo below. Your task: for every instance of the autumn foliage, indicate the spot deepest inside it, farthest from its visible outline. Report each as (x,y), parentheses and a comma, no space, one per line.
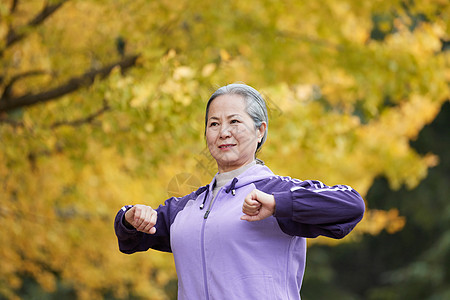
(102,105)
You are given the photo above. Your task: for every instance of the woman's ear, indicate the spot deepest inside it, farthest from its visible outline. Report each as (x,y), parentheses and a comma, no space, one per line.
(261,131)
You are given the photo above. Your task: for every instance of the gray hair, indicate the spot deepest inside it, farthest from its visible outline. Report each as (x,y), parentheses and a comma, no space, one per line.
(256,106)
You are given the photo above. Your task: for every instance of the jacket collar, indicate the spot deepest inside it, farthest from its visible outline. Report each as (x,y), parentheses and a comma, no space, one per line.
(253,174)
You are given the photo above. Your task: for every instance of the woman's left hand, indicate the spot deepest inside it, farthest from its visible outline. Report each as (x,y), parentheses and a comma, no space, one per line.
(258,206)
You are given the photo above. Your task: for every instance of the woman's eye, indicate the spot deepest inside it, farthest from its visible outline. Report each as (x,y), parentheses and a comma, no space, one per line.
(212,124)
(234,121)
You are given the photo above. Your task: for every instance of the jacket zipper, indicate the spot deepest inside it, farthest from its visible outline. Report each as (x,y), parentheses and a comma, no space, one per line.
(205,217)
(210,206)
(205,281)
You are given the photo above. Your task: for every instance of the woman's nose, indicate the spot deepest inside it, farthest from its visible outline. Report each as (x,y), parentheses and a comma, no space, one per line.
(225,132)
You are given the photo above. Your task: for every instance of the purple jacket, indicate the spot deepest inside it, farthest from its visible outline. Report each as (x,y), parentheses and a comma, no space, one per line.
(219,256)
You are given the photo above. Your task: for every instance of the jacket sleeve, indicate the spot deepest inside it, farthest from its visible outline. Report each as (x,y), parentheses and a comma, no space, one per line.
(131,240)
(310,208)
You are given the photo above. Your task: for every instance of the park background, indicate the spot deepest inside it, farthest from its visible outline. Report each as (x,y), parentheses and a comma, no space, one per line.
(102,105)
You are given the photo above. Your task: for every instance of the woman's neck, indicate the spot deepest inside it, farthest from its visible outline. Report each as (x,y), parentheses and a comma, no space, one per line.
(223,178)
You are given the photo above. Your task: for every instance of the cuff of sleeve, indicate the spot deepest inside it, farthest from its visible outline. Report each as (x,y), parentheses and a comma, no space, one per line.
(283,204)
(125,227)
(122,225)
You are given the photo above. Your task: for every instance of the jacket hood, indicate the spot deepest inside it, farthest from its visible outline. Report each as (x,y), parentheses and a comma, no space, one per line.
(251,175)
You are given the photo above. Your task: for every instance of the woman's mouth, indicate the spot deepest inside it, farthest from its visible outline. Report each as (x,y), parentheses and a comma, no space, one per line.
(226,146)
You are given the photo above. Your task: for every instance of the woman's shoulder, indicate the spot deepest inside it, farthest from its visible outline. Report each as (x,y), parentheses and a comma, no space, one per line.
(284,181)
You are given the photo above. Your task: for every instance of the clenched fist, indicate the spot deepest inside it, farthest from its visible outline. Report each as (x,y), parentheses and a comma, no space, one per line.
(142,217)
(258,206)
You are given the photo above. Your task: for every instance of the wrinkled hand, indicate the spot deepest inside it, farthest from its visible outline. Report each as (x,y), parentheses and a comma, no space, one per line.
(142,217)
(258,206)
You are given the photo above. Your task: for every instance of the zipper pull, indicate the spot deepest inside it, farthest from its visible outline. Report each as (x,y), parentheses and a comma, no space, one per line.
(206,214)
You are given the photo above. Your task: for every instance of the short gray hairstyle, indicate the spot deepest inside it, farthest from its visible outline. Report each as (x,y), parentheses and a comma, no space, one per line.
(256,105)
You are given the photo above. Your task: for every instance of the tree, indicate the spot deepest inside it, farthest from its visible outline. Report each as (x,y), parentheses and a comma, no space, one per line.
(344,105)
(410,264)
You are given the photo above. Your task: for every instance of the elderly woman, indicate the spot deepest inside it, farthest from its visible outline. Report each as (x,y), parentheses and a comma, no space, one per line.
(243,236)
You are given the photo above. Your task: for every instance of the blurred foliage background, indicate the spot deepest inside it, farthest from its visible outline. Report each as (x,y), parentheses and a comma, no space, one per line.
(102,104)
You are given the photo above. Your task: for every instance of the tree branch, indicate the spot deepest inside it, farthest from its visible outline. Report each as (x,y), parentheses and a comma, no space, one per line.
(88,119)
(15,35)
(70,86)
(74,123)
(7,90)
(13,7)
(11,122)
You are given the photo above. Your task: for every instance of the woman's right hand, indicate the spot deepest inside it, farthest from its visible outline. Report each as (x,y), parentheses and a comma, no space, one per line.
(142,217)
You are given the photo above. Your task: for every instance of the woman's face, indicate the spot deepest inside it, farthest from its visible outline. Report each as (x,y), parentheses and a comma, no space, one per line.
(230,133)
